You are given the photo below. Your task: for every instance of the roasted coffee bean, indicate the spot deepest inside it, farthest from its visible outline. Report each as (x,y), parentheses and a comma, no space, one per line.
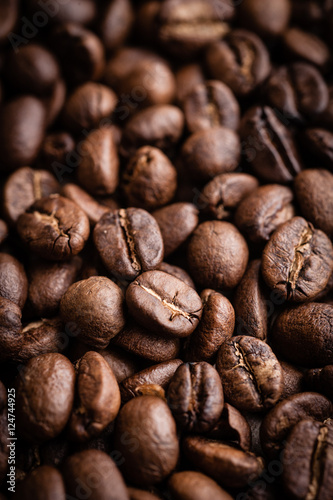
(251,375)
(307,460)
(54,102)
(44,397)
(307,46)
(43,483)
(187,26)
(304,334)
(293,380)
(188,485)
(95,472)
(176,223)
(211,152)
(4,450)
(22,126)
(121,363)
(217,255)
(23,188)
(265,209)
(93,210)
(160,126)
(195,397)
(229,466)
(160,374)
(4,232)
(318,142)
(77,11)
(297,261)
(10,328)
(8,17)
(141,342)
(222,195)
(13,280)
(211,104)
(151,452)
(310,13)
(88,106)
(216,326)
(145,22)
(298,91)
(149,180)
(95,305)
(32,69)
(128,241)
(137,494)
(250,303)
(123,63)
(177,272)
(268,20)
(232,427)
(55,148)
(97,398)
(164,304)
(187,78)
(280,420)
(41,337)
(241,61)
(313,190)
(113,33)
(269,146)
(98,171)
(54,227)
(320,380)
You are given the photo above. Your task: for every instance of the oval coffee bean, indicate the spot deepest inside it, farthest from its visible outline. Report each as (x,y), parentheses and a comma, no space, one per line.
(188,485)
(41,337)
(195,397)
(10,328)
(121,363)
(129,242)
(137,494)
(164,304)
(95,305)
(44,396)
(43,483)
(251,375)
(268,20)
(87,203)
(306,46)
(113,33)
(297,262)
(13,280)
(232,427)
(152,451)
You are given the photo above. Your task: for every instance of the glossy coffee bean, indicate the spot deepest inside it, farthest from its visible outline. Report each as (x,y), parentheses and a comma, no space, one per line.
(297,261)
(304,334)
(269,146)
(138,494)
(268,20)
(113,33)
(54,227)
(93,210)
(293,380)
(121,363)
(217,255)
(195,397)
(123,62)
(164,304)
(149,180)
(45,393)
(152,452)
(232,428)
(10,328)
(177,272)
(306,46)
(251,375)
(41,337)
(187,78)
(188,485)
(265,209)
(13,280)
(129,242)
(318,141)
(320,380)
(95,305)
(43,483)
(77,11)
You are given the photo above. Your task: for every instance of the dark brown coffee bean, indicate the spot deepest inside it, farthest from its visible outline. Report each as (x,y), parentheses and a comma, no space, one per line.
(22,123)
(164,304)
(188,485)
(93,210)
(53,104)
(216,326)
(293,380)
(280,420)
(129,242)
(268,20)
(95,305)
(121,363)
(32,69)
(4,232)
(93,471)
(151,450)
(232,427)
(320,380)
(269,146)
(176,223)
(265,209)
(136,494)
(4,449)
(13,280)
(41,337)
(141,342)
(304,334)
(10,328)
(241,61)
(48,282)
(308,460)
(297,261)
(149,180)
(298,91)
(187,78)
(97,398)
(211,152)
(186,26)
(23,188)
(160,374)
(54,227)
(307,46)
(177,272)
(313,189)
(43,483)
(222,194)
(310,13)
(319,142)
(195,397)
(8,17)
(116,23)
(211,104)
(88,107)
(160,126)
(217,255)
(76,11)
(251,375)
(229,466)
(55,148)
(44,397)
(123,62)
(250,303)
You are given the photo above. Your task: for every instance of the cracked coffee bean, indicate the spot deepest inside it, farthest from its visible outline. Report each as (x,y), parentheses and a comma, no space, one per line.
(41,337)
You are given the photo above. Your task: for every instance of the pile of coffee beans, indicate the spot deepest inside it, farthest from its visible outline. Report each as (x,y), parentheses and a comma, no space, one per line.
(166,257)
